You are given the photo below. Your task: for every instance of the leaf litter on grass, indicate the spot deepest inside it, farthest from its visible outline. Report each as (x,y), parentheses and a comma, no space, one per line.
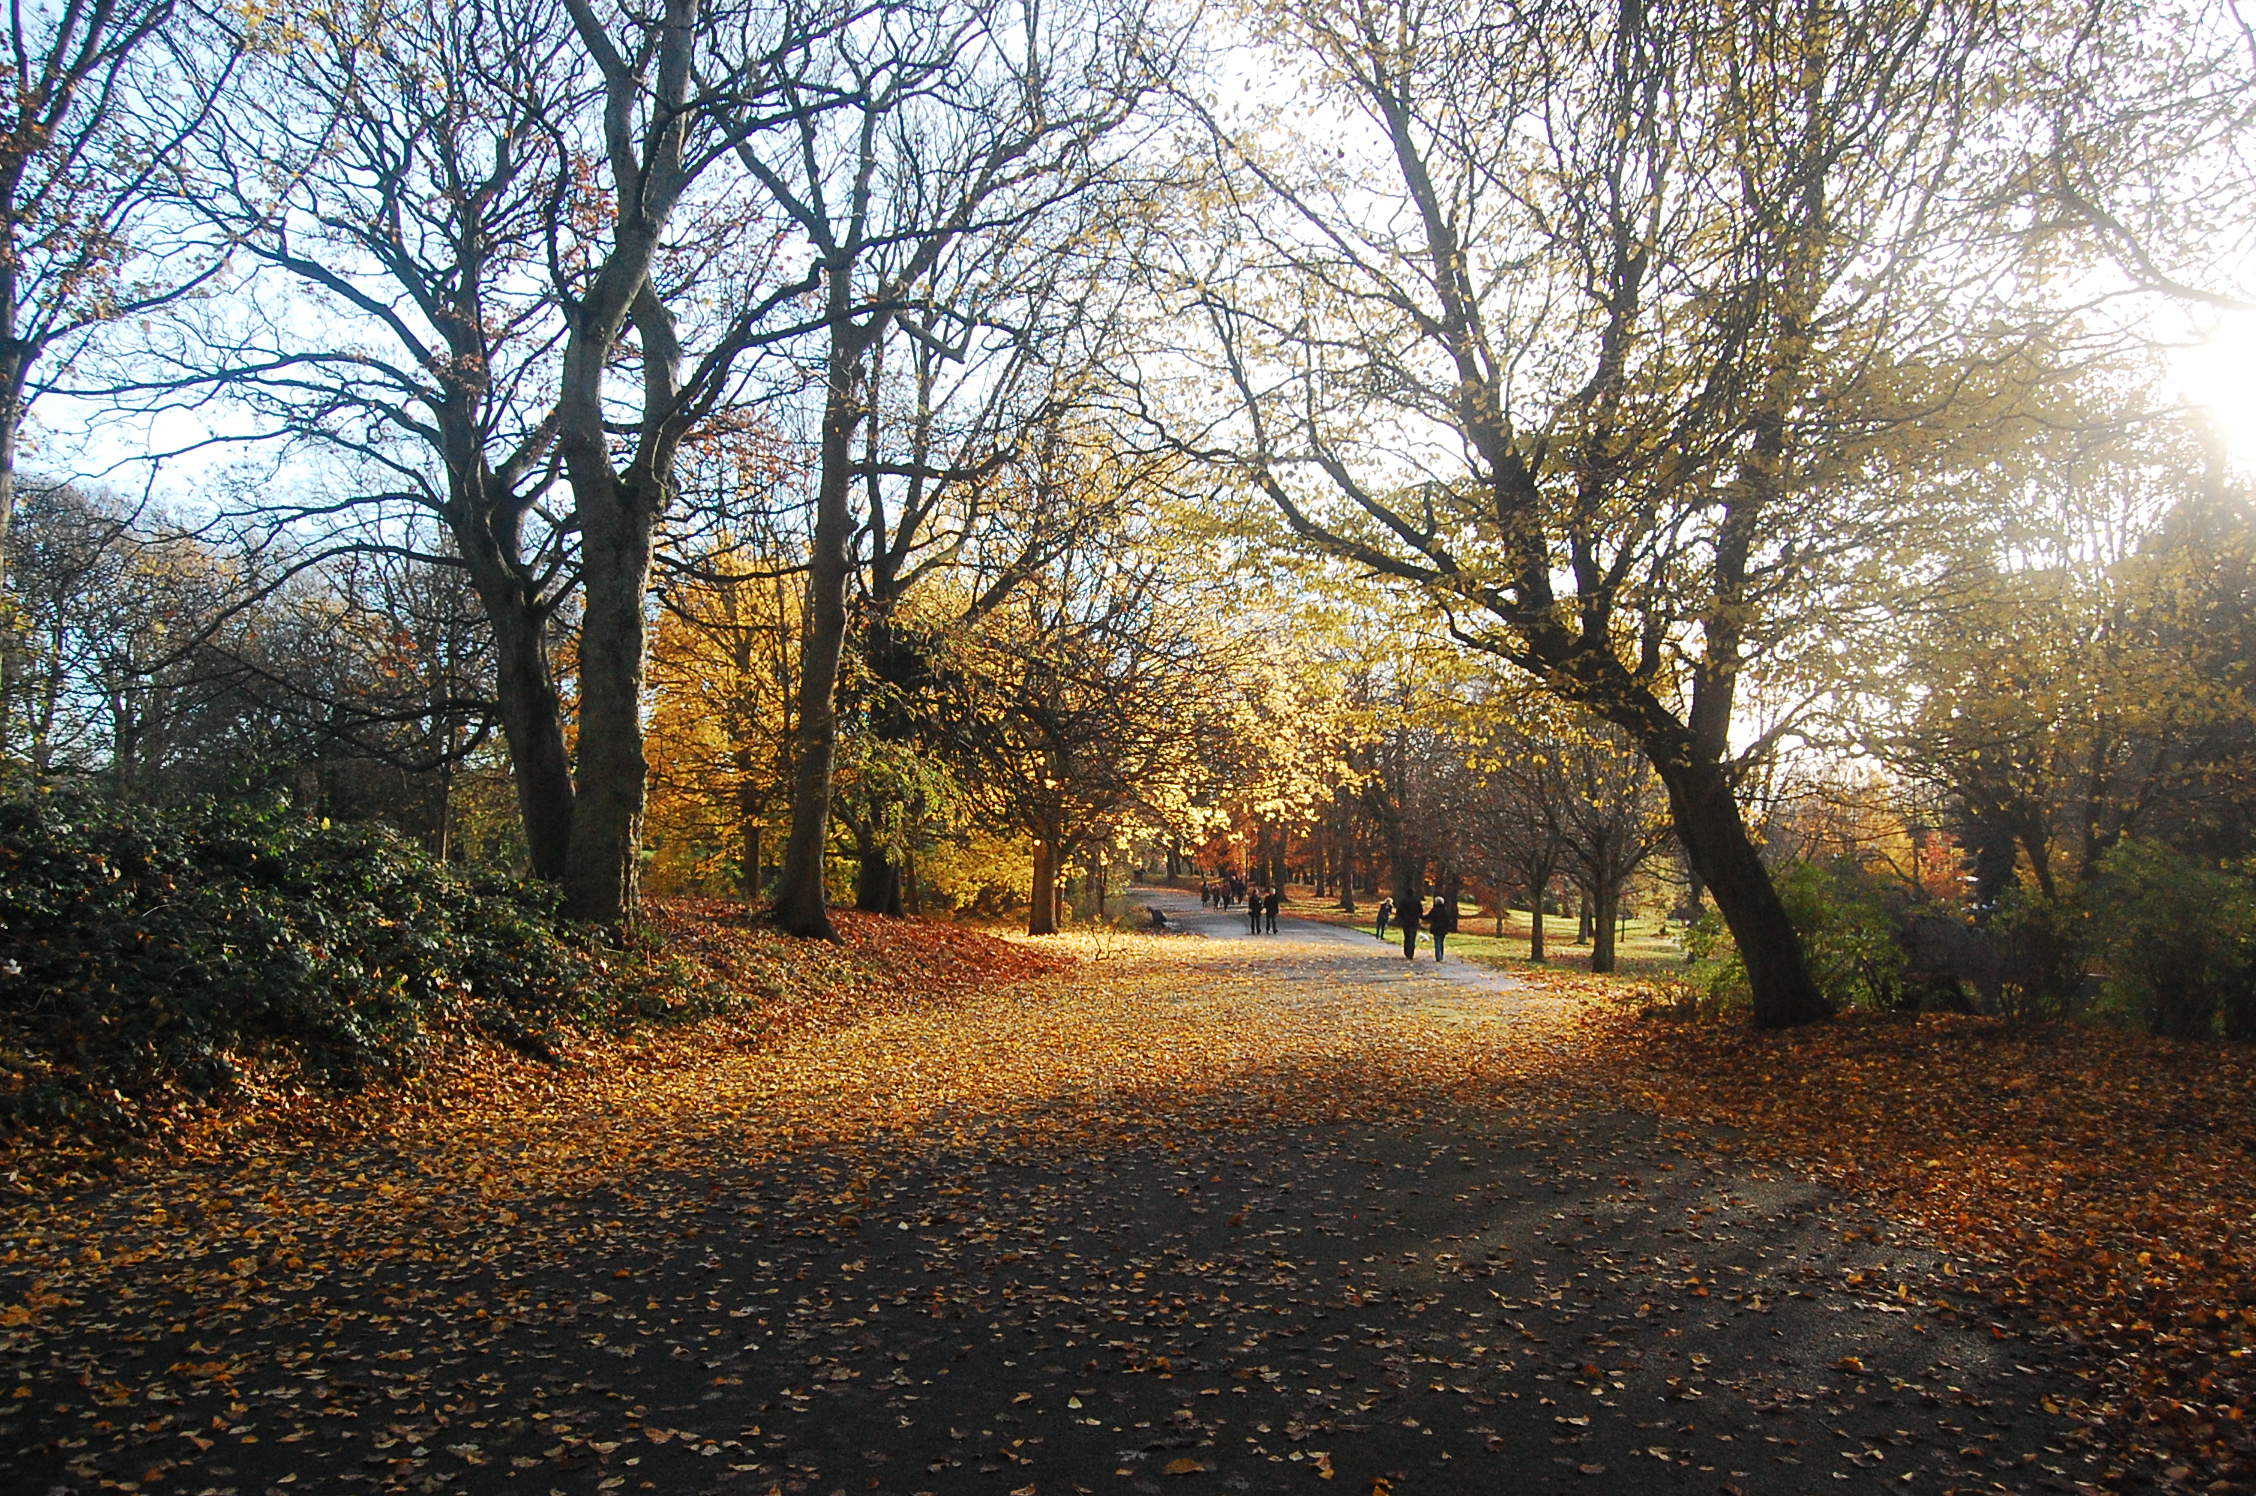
(2101,1180)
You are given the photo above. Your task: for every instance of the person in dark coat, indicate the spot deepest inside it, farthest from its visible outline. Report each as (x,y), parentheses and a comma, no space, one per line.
(1386,915)
(1269,907)
(1407,914)
(1442,920)
(1253,909)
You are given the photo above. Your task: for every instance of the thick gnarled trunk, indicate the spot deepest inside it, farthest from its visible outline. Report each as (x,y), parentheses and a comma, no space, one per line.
(1716,842)
(601,879)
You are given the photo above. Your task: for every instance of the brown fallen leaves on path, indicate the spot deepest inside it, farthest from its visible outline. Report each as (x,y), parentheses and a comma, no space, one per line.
(1185,1218)
(2103,1180)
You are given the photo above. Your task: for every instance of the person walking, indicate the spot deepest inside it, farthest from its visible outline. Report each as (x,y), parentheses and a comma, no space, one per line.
(1407,913)
(1386,915)
(1269,907)
(1253,908)
(1442,920)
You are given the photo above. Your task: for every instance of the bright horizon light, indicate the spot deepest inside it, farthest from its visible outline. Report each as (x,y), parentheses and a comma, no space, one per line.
(2216,375)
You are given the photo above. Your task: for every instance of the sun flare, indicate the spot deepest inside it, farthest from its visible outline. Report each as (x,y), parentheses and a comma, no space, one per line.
(2216,375)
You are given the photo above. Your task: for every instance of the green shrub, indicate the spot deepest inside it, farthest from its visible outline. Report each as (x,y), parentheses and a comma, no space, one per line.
(2180,940)
(1848,937)
(1714,980)
(146,950)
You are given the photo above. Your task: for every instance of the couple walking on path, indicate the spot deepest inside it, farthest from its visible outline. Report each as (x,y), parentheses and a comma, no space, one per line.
(1441,920)
(1261,906)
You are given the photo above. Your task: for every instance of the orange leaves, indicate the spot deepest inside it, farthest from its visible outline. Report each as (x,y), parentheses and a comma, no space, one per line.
(2097,1178)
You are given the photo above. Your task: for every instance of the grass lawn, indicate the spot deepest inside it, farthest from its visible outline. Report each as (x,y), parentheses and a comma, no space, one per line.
(1646,949)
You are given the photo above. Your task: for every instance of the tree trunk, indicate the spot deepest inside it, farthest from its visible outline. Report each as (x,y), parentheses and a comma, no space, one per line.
(1536,952)
(1583,921)
(1605,925)
(748,867)
(1722,855)
(15,367)
(1346,866)
(802,902)
(10,421)
(1041,919)
(897,664)
(532,729)
(617,529)
(877,882)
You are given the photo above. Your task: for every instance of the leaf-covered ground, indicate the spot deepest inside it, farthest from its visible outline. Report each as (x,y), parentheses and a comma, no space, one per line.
(699,958)
(1225,1215)
(2105,1181)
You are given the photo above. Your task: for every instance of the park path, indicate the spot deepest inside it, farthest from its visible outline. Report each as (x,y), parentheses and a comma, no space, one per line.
(1329,950)
(1277,1215)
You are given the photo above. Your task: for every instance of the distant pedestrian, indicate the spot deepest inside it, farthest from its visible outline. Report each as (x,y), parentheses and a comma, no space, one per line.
(1386,916)
(1253,910)
(1269,907)
(1407,913)
(1442,920)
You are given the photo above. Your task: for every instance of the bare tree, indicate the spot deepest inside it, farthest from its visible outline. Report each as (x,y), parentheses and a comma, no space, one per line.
(100,97)
(397,191)
(502,210)
(961,126)
(682,88)
(1597,339)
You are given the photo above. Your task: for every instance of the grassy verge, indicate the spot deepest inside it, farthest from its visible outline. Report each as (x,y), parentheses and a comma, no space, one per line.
(1647,948)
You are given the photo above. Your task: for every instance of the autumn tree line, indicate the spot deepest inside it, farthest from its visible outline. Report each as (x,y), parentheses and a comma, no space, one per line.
(849,450)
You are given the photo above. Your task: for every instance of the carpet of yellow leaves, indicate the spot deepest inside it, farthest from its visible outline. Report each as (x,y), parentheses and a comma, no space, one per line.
(2104,1181)
(772,987)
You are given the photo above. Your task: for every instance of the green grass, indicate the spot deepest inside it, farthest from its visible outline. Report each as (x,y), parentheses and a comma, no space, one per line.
(1645,948)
